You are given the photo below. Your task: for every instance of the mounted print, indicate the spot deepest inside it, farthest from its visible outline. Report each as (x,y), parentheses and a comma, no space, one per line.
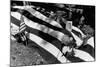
(51,33)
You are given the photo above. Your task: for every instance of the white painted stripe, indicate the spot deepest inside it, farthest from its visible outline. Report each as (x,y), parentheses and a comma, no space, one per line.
(42,17)
(22,29)
(23,7)
(78,30)
(38,15)
(39,27)
(16,15)
(83,55)
(21,26)
(13,25)
(14,29)
(12,38)
(49,47)
(66,49)
(22,23)
(78,53)
(35,25)
(19,7)
(78,40)
(22,38)
(90,41)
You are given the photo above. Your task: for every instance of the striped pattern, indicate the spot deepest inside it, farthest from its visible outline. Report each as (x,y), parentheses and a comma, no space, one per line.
(22,25)
(47,35)
(42,36)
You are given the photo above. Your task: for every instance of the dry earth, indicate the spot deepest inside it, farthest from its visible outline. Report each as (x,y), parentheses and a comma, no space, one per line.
(24,56)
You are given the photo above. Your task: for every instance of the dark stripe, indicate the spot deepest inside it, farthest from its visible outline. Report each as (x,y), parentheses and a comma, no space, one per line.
(57,42)
(22,23)
(14,9)
(51,38)
(89,49)
(22,28)
(37,20)
(74,59)
(45,54)
(15,21)
(46,37)
(63,24)
(33,18)
(22,35)
(16,3)
(76,33)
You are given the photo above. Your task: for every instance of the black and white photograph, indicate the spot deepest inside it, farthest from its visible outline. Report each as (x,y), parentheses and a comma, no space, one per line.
(43,33)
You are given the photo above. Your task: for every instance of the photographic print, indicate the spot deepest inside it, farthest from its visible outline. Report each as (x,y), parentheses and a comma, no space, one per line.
(43,33)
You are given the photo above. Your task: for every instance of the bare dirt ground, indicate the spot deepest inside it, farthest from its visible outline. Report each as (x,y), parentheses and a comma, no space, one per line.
(21,55)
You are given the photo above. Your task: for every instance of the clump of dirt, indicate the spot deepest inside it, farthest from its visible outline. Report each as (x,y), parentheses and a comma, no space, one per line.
(24,56)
